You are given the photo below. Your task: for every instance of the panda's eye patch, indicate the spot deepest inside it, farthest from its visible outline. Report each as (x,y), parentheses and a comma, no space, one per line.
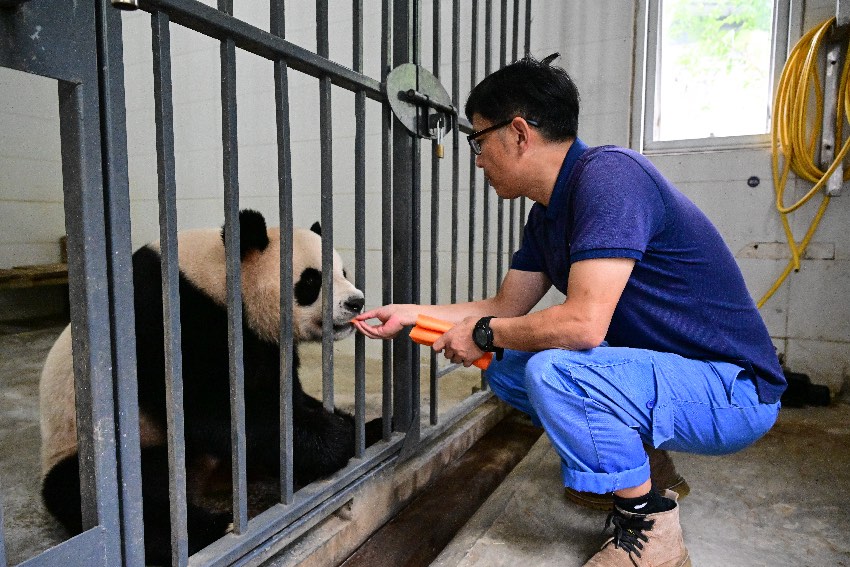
(308,287)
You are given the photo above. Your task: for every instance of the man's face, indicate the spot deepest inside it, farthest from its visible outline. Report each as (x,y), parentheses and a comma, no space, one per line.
(496,159)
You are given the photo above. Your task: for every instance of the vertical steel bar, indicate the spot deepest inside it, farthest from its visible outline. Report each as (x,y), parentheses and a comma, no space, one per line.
(515,35)
(500,214)
(326,144)
(113,126)
(416,238)
(485,238)
(405,253)
(230,153)
(82,176)
(512,206)
(527,51)
(359,232)
(435,216)
(455,143)
(473,172)
(164,115)
(386,216)
(284,180)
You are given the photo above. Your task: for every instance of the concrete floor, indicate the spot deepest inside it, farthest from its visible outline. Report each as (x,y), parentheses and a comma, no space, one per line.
(782,502)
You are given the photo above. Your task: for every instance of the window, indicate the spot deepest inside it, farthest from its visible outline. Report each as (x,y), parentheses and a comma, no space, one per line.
(709,72)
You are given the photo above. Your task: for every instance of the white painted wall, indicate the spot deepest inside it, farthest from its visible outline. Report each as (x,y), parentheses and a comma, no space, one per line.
(808,317)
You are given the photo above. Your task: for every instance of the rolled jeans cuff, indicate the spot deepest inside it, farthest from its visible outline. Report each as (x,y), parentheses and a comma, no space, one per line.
(600,483)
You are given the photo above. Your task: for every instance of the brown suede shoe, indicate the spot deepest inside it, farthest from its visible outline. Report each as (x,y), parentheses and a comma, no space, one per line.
(651,540)
(662,472)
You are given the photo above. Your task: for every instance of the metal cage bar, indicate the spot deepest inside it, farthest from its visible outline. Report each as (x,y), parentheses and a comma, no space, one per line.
(386,216)
(405,256)
(435,219)
(284,173)
(326,144)
(230,154)
(485,213)
(113,131)
(359,232)
(523,201)
(455,146)
(473,175)
(500,202)
(512,209)
(214,23)
(164,112)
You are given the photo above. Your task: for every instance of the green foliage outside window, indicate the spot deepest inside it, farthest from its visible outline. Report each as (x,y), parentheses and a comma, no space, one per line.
(718,34)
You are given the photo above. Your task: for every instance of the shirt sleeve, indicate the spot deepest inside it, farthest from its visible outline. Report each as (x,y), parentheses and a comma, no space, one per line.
(617,209)
(528,258)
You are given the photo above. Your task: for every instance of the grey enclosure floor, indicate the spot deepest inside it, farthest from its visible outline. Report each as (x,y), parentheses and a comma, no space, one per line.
(781,502)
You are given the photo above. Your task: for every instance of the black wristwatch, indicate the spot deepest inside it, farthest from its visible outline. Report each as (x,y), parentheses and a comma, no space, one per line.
(482,336)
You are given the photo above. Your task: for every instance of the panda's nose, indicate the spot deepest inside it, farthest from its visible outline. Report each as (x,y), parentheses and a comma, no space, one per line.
(355,304)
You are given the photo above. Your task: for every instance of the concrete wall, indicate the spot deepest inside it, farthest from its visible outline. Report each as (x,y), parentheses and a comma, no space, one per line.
(808,317)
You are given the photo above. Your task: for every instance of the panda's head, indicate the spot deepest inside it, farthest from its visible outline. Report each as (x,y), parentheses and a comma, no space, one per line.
(203,262)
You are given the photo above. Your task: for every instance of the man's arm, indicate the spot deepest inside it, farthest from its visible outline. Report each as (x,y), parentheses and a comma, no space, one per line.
(519,292)
(579,323)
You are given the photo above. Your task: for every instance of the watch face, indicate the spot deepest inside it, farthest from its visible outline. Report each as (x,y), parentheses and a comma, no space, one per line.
(479,336)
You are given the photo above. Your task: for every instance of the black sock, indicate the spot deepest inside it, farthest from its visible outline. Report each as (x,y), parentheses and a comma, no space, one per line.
(649,503)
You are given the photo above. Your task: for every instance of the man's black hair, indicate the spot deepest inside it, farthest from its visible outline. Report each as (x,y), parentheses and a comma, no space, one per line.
(532,89)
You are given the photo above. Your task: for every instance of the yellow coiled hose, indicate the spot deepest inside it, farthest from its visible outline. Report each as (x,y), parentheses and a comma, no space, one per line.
(796,150)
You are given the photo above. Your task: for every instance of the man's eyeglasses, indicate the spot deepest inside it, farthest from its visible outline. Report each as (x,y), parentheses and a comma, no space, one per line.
(476,145)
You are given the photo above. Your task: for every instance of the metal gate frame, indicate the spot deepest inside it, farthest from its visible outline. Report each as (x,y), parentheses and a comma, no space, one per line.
(97,223)
(96,187)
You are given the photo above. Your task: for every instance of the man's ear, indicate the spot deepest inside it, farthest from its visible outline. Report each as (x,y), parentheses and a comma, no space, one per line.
(522,131)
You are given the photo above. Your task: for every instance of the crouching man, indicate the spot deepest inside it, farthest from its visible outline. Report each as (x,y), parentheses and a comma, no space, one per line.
(657,344)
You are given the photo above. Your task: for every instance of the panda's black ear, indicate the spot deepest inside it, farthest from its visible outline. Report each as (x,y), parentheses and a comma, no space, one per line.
(253,234)
(317,228)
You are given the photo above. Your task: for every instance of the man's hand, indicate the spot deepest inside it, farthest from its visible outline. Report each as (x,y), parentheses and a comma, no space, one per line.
(393,319)
(457,344)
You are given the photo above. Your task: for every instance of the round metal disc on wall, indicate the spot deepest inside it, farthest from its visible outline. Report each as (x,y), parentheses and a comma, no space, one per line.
(404,78)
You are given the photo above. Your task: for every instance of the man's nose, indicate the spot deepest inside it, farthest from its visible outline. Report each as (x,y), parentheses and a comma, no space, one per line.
(478,161)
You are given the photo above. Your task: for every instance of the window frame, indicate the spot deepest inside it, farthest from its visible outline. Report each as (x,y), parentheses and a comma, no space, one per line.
(646,63)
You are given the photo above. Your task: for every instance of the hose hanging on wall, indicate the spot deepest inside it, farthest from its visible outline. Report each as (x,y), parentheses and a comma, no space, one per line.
(793,149)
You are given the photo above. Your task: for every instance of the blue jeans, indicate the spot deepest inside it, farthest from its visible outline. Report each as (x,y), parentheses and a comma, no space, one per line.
(599,406)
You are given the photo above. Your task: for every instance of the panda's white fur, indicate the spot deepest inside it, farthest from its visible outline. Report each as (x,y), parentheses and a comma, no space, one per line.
(202,264)
(58,414)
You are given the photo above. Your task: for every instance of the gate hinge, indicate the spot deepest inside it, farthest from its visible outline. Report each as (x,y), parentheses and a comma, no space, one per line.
(421,103)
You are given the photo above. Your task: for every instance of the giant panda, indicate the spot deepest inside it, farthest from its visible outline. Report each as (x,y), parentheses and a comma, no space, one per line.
(323,441)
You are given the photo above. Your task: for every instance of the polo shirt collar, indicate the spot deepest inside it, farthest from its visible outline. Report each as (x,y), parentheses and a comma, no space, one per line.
(559,192)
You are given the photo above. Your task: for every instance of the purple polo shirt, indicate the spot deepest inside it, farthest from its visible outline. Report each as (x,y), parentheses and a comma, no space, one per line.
(686,294)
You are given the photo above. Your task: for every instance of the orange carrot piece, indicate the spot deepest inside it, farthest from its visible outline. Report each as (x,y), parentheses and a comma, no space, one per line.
(424,336)
(433,324)
(427,337)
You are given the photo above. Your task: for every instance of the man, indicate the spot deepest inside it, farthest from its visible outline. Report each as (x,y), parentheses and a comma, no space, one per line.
(657,342)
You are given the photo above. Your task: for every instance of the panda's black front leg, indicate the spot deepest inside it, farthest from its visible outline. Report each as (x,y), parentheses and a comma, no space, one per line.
(323,441)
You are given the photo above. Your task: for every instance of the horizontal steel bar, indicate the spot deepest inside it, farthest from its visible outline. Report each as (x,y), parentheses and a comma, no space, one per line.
(319,499)
(86,548)
(211,22)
